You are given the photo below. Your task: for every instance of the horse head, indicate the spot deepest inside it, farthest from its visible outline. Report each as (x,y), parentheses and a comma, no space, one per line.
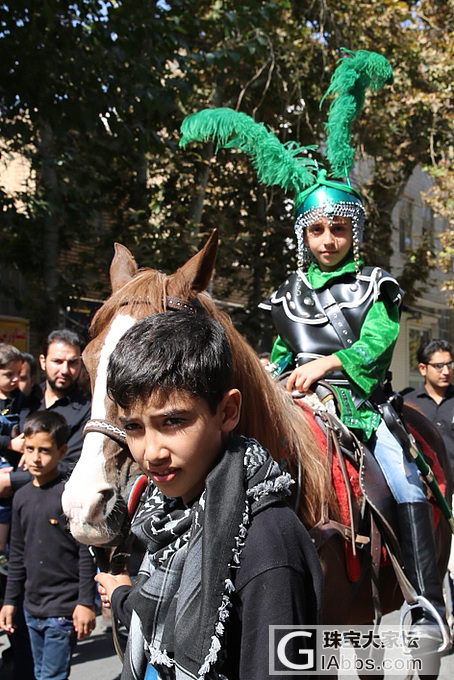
(95,497)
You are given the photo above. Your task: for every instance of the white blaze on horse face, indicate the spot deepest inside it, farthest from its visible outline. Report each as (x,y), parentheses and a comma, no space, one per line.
(82,498)
(119,326)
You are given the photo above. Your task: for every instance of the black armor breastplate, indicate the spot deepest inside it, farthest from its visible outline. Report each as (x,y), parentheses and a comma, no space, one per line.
(299,316)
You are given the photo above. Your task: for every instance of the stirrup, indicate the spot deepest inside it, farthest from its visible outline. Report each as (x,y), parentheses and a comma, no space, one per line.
(423,603)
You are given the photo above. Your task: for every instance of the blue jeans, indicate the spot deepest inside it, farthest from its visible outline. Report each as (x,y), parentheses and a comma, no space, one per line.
(52,641)
(401,475)
(150,673)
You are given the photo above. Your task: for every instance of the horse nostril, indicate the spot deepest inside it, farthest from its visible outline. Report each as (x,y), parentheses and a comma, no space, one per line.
(107,500)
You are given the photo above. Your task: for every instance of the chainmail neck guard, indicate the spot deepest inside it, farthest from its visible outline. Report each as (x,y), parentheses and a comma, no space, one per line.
(351,209)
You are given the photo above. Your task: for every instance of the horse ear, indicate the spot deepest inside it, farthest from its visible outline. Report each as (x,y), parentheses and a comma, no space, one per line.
(194,276)
(122,268)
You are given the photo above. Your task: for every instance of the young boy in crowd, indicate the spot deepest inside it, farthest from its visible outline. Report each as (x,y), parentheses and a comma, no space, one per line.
(47,565)
(226,557)
(10,369)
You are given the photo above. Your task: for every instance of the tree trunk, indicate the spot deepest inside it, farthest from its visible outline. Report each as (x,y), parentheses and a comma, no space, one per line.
(203,175)
(51,228)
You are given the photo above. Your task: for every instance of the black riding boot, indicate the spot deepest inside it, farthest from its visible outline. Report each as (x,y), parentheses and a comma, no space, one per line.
(419,562)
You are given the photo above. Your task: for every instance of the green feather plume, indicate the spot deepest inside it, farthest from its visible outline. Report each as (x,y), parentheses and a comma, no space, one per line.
(355,73)
(274,162)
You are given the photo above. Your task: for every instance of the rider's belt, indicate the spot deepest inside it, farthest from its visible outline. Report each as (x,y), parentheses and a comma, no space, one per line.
(336,317)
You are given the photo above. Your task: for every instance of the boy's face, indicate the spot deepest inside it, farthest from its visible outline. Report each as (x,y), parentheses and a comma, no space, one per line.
(329,240)
(9,377)
(42,456)
(176,439)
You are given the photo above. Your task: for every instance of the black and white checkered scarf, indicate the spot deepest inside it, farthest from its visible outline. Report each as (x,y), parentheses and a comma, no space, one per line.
(181,599)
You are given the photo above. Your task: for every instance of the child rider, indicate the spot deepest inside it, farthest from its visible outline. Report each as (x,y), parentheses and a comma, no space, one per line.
(339,320)
(226,557)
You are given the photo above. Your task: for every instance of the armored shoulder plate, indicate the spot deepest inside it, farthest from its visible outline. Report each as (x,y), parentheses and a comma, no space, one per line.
(299,312)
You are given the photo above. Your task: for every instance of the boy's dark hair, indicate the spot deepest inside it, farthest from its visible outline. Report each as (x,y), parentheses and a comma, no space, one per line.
(167,351)
(429,347)
(47,421)
(9,353)
(62,335)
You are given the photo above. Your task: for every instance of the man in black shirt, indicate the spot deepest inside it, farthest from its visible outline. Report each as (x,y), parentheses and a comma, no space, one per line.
(436,399)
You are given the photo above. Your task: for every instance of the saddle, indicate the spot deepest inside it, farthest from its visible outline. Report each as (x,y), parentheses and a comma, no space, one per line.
(368,516)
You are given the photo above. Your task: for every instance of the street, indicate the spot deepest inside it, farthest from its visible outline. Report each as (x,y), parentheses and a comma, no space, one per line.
(95,657)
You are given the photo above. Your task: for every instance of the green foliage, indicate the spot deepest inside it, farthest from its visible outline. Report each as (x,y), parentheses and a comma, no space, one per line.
(355,73)
(93,93)
(441,200)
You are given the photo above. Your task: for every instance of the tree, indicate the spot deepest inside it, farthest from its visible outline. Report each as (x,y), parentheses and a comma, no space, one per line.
(441,199)
(401,127)
(46,74)
(94,93)
(83,96)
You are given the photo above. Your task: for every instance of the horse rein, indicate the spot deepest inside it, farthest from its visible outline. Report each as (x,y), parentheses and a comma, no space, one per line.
(116,562)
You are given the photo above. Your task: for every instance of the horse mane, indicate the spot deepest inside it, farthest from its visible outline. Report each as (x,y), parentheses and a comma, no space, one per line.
(268,413)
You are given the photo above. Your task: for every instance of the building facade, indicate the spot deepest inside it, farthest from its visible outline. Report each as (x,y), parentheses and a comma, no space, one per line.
(430,315)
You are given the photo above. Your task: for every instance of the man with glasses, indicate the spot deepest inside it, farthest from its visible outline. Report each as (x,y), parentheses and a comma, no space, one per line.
(436,397)
(436,400)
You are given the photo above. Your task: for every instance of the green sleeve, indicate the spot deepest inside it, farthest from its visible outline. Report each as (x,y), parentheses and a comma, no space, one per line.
(279,350)
(367,360)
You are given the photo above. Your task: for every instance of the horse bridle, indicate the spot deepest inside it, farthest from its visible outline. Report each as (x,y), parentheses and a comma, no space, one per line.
(116,562)
(172,304)
(176,304)
(106,428)
(111,430)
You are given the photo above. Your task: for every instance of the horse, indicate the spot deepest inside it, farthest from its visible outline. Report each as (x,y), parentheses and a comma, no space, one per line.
(96,495)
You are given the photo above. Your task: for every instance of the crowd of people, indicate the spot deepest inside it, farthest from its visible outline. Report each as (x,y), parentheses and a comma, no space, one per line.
(47,586)
(46,611)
